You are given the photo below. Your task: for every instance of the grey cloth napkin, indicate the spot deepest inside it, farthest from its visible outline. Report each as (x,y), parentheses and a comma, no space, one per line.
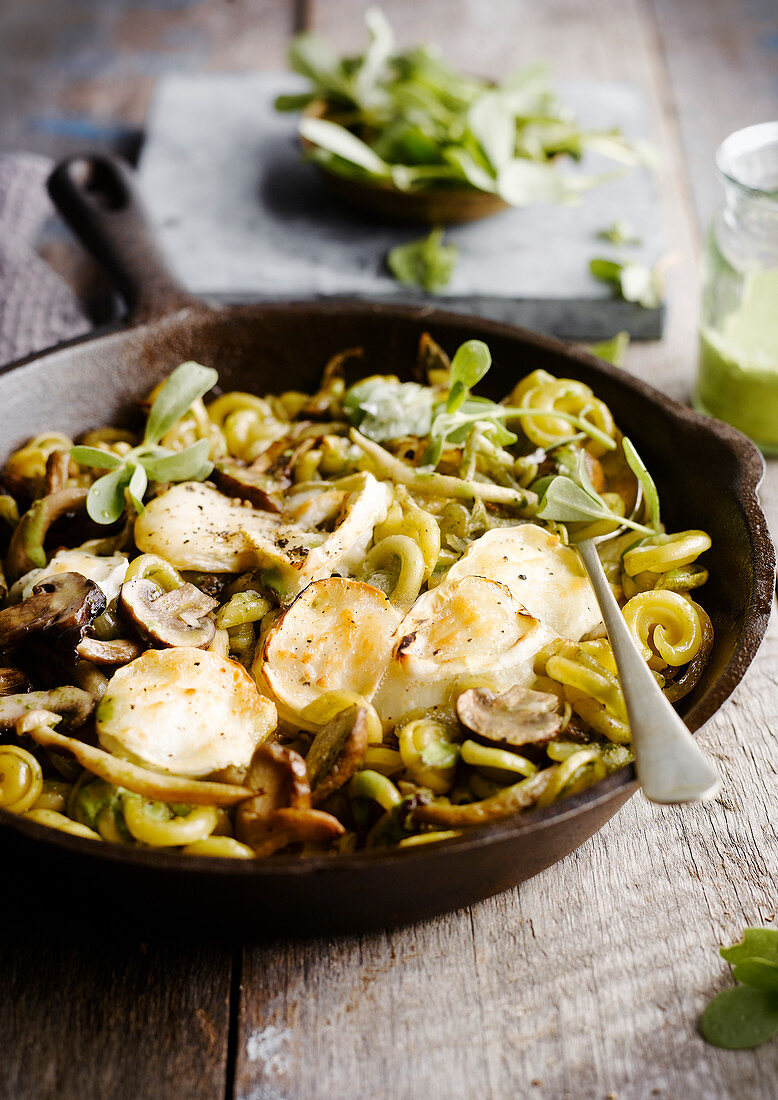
(37,309)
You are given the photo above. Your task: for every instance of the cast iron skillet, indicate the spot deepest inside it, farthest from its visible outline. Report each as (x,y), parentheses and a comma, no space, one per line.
(707,473)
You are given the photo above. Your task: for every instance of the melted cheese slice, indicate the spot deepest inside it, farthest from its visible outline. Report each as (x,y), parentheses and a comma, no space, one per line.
(542,573)
(337,635)
(107,572)
(196,527)
(463,632)
(185,711)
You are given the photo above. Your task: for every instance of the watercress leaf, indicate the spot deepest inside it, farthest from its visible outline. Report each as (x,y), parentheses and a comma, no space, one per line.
(566,502)
(383,408)
(470,363)
(311,56)
(493,125)
(469,169)
(650,494)
(756,972)
(376,55)
(191,464)
(105,500)
(612,351)
(293,101)
(94,457)
(427,263)
(619,232)
(761,943)
(136,487)
(188,381)
(522,182)
(740,1018)
(634,282)
(342,143)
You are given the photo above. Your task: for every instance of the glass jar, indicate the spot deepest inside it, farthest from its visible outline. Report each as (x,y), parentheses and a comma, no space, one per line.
(737,379)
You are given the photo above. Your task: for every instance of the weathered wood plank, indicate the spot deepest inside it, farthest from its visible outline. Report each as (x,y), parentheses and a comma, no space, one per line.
(586,982)
(80,76)
(103,1012)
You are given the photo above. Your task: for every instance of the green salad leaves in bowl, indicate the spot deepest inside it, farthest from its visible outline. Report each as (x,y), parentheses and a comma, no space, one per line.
(405,135)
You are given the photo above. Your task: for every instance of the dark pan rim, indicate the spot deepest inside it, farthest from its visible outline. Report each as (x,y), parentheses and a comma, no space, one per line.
(750,466)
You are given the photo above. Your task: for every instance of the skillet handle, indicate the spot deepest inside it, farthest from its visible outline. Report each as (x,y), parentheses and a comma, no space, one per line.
(99,199)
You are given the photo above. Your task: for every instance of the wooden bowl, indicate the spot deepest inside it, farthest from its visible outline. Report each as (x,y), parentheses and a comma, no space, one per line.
(439,205)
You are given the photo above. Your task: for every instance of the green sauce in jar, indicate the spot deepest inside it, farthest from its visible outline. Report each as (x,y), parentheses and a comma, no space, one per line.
(738,371)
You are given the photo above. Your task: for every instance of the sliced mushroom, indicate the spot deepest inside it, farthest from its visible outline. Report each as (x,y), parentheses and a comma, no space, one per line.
(280,813)
(26,549)
(294,826)
(251,483)
(508,801)
(117,651)
(167,619)
(71,703)
(337,752)
(57,471)
(13,681)
(65,604)
(516,717)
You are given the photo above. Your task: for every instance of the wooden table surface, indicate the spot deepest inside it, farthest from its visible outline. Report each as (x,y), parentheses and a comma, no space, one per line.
(585,982)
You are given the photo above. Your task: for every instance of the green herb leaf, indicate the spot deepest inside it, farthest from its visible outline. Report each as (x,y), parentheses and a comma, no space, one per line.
(340,142)
(620,232)
(95,457)
(137,486)
(566,502)
(191,464)
(183,387)
(760,943)
(376,56)
(612,351)
(650,494)
(469,365)
(383,408)
(759,973)
(427,263)
(105,500)
(634,282)
(740,1018)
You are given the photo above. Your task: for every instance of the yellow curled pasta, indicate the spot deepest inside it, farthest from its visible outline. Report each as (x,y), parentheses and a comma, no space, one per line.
(666,624)
(29,462)
(144,821)
(56,820)
(578,771)
(53,796)
(244,607)
(224,847)
(154,568)
(428,753)
(547,394)
(330,703)
(412,566)
(661,553)
(406,517)
(21,779)
(584,673)
(246,423)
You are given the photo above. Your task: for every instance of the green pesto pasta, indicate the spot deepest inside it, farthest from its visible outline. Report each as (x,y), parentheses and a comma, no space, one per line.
(326,622)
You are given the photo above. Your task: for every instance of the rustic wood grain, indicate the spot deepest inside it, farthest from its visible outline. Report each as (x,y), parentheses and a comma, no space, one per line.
(102,1012)
(587,981)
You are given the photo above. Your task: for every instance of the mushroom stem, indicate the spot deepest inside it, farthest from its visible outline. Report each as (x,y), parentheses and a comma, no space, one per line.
(121,773)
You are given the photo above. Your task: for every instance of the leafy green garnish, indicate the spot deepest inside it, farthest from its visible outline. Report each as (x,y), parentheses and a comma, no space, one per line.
(633,282)
(613,350)
(384,408)
(570,497)
(650,494)
(620,232)
(427,263)
(408,117)
(130,474)
(746,1015)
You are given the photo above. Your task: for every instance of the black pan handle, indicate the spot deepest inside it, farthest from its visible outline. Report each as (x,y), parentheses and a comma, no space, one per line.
(99,199)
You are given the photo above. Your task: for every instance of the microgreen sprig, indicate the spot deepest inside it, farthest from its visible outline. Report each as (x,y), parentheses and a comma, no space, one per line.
(570,497)
(747,1014)
(129,475)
